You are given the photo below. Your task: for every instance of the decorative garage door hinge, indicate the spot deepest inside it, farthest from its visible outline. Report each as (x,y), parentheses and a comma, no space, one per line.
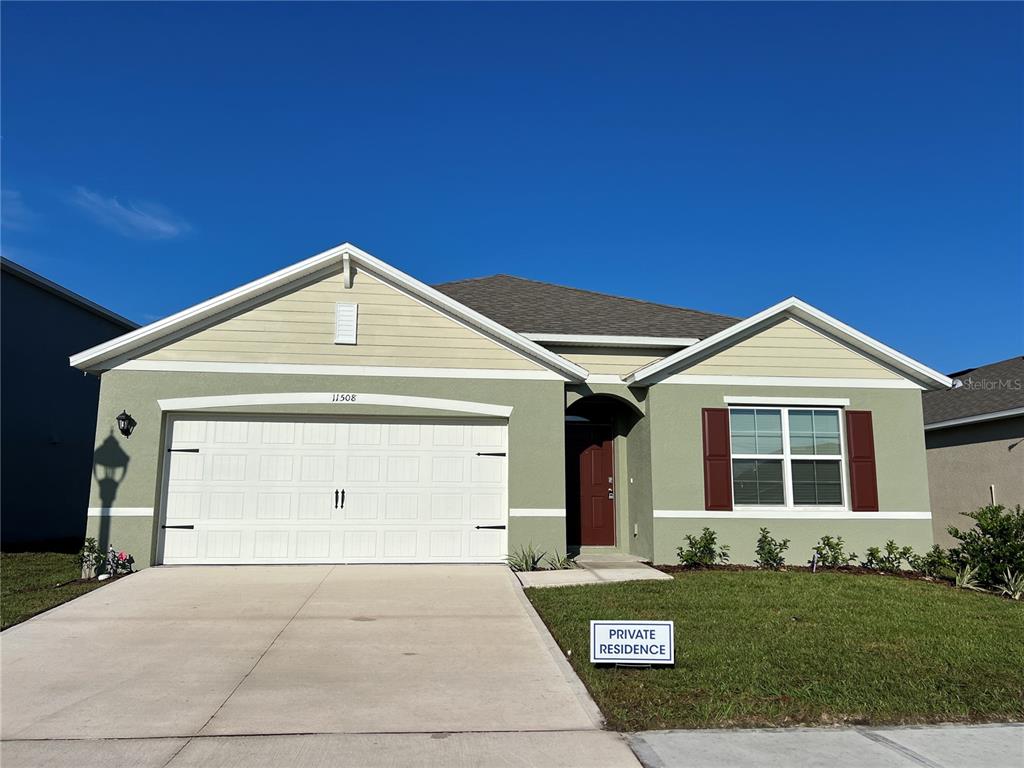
(183,450)
(491,527)
(502,453)
(184,527)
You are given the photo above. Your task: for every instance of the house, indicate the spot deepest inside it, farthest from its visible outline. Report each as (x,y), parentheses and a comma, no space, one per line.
(974,434)
(340,410)
(48,410)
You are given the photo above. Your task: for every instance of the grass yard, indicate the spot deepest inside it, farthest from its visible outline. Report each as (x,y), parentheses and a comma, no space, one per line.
(765,649)
(28,584)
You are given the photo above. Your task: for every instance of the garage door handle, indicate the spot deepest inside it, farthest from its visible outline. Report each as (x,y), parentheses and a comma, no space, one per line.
(335,498)
(491,527)
(182,527)
(340,497)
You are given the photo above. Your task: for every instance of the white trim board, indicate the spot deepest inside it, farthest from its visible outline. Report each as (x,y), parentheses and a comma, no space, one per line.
(788,381)
(331,259)
(120,511)
(802,513)
(802,312)
(834,402)
(340,399)
(596,340)
(975,419)
(334,370)
(536,513)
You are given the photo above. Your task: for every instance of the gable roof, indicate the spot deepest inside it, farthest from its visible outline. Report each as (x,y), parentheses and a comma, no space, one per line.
(532,307)
(103,356)
(987,392)
(793,307)
(60,291)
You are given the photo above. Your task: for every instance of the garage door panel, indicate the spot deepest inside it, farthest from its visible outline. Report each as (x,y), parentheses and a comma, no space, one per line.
(413,492)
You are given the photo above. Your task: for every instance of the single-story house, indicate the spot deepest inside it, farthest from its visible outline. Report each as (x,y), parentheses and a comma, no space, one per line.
(974,434)
(48,419)
(339,410)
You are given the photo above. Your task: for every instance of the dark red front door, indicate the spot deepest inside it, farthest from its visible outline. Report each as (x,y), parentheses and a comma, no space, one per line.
(593,446)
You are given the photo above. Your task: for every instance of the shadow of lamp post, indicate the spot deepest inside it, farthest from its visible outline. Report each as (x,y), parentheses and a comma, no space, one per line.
(110,465)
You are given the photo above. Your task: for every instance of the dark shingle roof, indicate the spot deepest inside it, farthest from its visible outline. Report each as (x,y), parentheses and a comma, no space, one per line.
(530,306)
(987,389)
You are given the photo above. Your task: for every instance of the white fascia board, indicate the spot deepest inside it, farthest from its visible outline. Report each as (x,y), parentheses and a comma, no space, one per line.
(531,349)
(92,359)
(800,310)
(584,340)
(976,419)
(834,402)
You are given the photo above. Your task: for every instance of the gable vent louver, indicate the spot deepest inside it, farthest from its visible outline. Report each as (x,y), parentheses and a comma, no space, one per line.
(345,323)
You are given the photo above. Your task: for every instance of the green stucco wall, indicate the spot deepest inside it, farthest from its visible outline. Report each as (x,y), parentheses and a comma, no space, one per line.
(658,457)
(741,535)
(677,452)
(536,439)
(678,479)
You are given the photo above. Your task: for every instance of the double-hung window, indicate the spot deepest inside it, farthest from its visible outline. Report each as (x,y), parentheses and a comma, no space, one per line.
(787,457)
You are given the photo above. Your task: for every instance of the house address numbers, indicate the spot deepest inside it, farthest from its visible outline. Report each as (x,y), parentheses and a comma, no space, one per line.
(343,397)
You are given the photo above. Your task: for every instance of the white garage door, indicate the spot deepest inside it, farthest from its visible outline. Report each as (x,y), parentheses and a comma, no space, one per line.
(272,491)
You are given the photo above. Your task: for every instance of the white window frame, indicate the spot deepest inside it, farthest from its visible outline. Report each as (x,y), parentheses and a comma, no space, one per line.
(787,458)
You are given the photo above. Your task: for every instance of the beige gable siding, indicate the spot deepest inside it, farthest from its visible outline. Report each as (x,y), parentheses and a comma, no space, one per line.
(393,330)
(610,360)
(790,348)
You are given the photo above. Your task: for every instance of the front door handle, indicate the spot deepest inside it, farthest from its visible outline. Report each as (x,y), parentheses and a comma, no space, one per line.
(611,494)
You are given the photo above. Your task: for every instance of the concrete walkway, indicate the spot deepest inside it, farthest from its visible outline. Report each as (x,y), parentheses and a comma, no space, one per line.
(595,568)
(946,746)
(303,665)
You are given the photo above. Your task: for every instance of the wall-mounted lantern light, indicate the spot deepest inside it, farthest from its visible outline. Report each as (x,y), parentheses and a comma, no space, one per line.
(126,424)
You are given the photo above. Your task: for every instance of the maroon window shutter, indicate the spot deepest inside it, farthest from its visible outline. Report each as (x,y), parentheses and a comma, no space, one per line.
(860,442)
(717,460)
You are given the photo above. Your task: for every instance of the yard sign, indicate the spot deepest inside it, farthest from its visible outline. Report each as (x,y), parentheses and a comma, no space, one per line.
(632,642)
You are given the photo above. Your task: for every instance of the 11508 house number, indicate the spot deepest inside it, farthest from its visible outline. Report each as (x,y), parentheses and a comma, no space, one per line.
(340,397)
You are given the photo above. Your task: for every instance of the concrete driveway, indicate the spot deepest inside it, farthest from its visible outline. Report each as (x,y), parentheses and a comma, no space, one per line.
(310,665)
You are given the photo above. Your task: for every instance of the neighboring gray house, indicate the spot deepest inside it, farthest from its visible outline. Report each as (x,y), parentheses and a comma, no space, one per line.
(975,438)
(340,410)
(48,418)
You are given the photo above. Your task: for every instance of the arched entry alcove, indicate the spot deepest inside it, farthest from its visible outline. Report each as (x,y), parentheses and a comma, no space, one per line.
(597,479)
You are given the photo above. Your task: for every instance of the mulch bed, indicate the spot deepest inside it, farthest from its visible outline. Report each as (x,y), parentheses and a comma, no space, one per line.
(855,570)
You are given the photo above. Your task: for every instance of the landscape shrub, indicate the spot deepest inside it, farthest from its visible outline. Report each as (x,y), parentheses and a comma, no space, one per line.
(993,545)
(703,551)
(890,559)
(91,558)
(769,551)
(1013,585)
(558,562)
(831,554)
(935,562)
(526,559)
(119,563)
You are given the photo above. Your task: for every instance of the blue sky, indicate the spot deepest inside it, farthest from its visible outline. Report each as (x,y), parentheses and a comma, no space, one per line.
(866,157)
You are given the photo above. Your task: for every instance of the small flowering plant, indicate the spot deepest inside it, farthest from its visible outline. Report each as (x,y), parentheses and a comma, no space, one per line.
(119,562)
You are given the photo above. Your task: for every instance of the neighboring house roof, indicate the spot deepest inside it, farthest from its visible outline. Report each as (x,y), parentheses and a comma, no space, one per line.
(979,394)
(106,355)
(532,307)
(805,313)
(12,268)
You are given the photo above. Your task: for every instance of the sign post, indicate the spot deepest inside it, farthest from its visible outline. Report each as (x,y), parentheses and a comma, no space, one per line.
(632,642)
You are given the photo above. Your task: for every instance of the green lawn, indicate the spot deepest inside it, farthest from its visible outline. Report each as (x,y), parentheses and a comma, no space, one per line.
(28,584)
(761,649)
